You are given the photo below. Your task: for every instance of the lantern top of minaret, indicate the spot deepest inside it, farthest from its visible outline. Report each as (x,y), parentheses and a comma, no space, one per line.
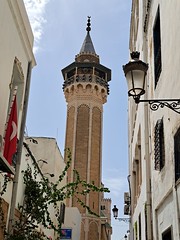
(88,29)
(87,46)
(87,68)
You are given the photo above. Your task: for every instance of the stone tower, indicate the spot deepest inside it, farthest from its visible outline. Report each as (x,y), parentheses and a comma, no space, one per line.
(86,88)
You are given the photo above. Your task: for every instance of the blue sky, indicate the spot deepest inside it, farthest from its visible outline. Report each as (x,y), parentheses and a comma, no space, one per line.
(59,28)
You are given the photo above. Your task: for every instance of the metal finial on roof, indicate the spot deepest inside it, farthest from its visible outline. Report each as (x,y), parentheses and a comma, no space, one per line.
(87,46)
(88,29)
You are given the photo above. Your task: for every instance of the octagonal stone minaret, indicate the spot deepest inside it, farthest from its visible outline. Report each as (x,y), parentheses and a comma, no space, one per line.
(86,88)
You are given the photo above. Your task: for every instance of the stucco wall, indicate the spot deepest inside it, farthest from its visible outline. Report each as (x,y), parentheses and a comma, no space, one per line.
(16,41)
(158,187)
(73,221)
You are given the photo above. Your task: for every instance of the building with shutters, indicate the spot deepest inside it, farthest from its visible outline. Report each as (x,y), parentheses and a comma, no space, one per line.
(86,89)
(154,136)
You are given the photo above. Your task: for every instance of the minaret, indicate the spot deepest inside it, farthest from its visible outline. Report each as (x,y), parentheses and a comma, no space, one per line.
(86,88)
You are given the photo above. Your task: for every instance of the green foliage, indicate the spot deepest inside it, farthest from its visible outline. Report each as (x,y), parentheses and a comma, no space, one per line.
(3,190)
(40,193)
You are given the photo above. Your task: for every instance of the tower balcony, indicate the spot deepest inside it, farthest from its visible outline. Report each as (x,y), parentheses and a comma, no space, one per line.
(86,78)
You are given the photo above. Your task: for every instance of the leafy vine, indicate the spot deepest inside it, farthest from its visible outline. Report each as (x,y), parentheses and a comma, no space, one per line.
(40,193)
(3,190)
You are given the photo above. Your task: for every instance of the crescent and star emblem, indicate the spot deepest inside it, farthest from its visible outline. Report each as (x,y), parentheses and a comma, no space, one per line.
(14,131)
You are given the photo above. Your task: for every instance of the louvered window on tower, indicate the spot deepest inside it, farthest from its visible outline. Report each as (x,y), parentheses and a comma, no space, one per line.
(159,151)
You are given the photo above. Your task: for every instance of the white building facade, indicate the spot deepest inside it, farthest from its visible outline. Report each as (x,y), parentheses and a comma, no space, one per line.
(16,44)
(154,136)
(16,62)
(51,163)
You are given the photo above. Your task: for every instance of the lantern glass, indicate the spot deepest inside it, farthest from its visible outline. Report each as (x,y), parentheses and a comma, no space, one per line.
(136,82)
(135,72)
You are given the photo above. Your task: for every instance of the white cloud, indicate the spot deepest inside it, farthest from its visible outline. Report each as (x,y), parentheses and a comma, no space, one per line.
(36,13)
(115,185)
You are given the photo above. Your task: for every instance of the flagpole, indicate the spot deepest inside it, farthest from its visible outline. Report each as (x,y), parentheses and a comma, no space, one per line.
(19,151)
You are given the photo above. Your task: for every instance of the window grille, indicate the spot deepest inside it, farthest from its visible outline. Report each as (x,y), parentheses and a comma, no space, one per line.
(159,151)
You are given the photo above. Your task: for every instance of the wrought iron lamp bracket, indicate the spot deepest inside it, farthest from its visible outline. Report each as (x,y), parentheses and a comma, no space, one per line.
(173,104)
(126,220)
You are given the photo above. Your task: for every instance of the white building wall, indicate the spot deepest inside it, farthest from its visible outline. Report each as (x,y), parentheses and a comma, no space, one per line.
(165,191)
(48,151)
(16,42)
(48,156)
(164,194)
(50,161)
(73,221)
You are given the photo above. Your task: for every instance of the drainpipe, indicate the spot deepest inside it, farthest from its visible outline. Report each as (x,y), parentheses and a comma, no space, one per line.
(147,132)
(19,151)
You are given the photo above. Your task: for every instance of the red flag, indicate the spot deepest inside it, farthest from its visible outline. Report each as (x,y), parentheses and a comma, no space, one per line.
(11,134)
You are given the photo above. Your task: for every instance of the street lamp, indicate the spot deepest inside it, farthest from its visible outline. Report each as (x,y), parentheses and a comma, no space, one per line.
(115,214)
(135,72)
